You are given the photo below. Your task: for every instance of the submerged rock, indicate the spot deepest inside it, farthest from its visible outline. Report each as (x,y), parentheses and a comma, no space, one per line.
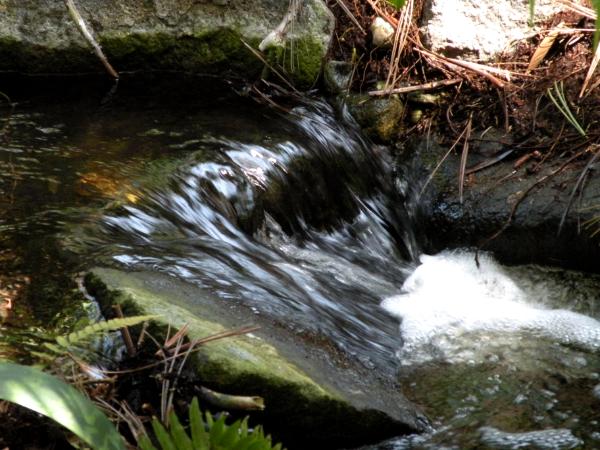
(314,398)
(182,35)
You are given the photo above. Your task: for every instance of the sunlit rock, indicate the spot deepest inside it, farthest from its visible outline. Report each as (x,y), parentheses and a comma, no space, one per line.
(382,32)
(479,29)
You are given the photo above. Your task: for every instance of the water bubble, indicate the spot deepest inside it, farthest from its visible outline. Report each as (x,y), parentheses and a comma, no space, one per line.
(520,399)
(551,439)
(596,391)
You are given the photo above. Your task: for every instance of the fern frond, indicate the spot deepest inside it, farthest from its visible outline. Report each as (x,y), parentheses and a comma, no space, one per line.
(101,327)
(207,433)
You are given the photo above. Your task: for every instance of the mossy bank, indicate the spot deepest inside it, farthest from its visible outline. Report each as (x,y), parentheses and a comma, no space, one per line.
(183,35)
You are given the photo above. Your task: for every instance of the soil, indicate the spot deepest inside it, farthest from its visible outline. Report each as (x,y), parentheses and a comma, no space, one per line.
(522,109)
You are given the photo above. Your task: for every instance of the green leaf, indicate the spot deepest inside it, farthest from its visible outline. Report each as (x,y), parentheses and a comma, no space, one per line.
(180,437)
(596,5)
(145,443)
(199,434)
(162,435)
(59,401)
(531,12)
(397,3)
(231,435)
(244,443)
(260,445)
(217,429)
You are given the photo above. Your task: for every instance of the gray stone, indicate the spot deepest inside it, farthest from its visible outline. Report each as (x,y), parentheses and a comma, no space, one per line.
(479,29)
(40,36)
(337,76)
(381,118)
(382,32)
(489,195)
(313,396)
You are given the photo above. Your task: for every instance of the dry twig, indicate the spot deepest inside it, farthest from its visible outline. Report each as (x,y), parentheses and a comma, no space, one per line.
(419,87)
(87,34)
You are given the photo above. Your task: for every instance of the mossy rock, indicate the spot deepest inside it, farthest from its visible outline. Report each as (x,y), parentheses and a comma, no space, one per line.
(381,118)
(179,35)
(305,404)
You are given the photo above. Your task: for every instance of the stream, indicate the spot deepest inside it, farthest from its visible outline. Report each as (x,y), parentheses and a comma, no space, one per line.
(299,218)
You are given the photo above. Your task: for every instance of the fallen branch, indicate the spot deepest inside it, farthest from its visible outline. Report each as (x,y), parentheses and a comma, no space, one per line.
(480,69)
(225,401)
(83,28)
(131,350)
(419,87)
(260,56)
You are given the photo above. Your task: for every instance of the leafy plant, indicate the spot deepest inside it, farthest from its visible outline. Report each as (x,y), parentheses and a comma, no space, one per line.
(63,344)
(557,95)
(206,434)
(101,327)
(53,398)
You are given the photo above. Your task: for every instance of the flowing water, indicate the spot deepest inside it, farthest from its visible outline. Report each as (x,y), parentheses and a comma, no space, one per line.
(299,218)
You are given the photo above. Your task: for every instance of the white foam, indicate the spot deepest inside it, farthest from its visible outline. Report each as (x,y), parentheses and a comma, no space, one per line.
(551,439)
(448,300)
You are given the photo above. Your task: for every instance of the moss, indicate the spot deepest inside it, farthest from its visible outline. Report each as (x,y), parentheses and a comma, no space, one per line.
(302,60)
(219,51)
(298,409)
(23,57)
(381,118)
(212,52)
(216,52)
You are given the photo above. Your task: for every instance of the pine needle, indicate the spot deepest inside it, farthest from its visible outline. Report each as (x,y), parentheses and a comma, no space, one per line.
(463,161)
(590,71)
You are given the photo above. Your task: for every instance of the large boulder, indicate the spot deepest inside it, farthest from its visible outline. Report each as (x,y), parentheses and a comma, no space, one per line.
(184,35)
(315,398)
(479,29)
(530,235)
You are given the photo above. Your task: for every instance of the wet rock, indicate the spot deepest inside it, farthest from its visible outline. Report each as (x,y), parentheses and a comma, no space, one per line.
(489,196)
(179,35)
(311,400)
(337,76)
(381,118)
(479,30)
